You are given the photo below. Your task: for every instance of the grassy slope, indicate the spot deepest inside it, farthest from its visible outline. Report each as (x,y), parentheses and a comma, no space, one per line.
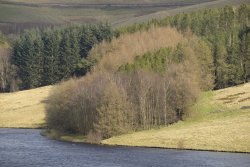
(24,109)
(20,14)
(218,123)
(162,14)
(14,13)
(23,14)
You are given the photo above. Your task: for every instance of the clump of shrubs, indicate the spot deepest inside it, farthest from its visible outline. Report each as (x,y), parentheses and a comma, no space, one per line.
(111,104)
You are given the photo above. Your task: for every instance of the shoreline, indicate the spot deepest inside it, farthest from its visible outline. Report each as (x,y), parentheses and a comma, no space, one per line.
(80,139)
(40,128)
(66,138)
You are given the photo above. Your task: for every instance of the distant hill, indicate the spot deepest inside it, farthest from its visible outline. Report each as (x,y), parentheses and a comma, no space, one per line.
(16,15)
(185,9)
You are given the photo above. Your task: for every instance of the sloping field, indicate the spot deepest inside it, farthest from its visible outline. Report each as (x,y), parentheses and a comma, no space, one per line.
(221,121)
(16,15)
(185,9)
(63,11)
(24,109)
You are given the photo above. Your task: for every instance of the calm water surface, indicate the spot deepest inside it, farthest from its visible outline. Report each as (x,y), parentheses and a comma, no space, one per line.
(27,148)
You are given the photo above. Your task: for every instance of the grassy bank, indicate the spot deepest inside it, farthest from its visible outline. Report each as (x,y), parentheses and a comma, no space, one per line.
(217,123)
(24,109)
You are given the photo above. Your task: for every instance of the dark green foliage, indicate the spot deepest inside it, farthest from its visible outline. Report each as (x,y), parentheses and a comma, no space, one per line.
(52,40)
(220,53)
(87,40)
(49,56)
(28,51)
(245,53)
(153,61)
(69,55)
(226,31)
(84,66)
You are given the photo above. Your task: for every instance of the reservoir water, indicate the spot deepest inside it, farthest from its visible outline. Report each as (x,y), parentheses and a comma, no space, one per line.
(27,148)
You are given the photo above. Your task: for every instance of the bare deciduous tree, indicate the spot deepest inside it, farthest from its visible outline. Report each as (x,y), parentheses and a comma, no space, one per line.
(8,80)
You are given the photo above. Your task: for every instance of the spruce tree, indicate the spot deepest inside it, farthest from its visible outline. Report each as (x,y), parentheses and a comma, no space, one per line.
(220,55)
(245,53)
(64,59)
(51,39)
(87,40)
(37,60)
(234,71)
(75,48)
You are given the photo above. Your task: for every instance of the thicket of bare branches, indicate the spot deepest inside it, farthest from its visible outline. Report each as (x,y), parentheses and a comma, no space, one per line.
(112,104)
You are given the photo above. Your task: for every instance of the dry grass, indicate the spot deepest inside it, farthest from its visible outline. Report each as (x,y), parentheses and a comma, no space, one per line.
(24,109)
(225,134)
(125,48)
(234,97)
(215,126)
